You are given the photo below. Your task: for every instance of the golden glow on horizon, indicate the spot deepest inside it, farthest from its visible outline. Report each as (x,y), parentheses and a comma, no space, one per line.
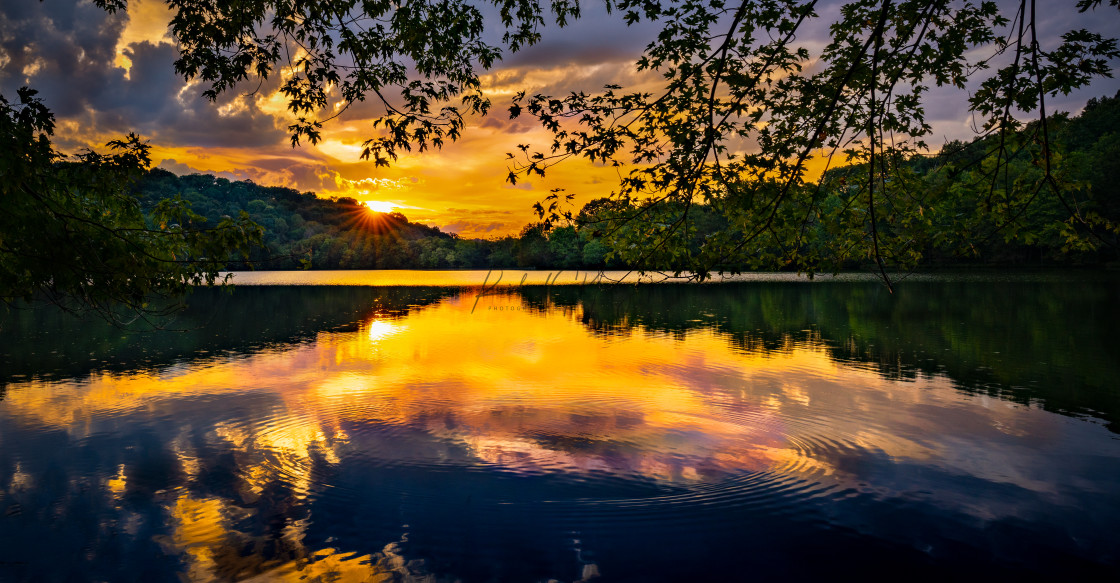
(380,206)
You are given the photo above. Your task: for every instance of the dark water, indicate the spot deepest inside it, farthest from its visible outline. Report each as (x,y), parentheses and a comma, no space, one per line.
(959,429)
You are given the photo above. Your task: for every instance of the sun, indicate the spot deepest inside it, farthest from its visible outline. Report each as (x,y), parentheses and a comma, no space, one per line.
(380,206)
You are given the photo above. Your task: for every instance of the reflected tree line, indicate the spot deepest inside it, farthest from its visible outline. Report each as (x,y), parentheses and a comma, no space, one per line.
(1040,342)
(214,321)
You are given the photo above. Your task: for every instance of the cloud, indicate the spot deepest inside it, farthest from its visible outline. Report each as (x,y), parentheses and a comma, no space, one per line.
(596,37)
(65,50)
(276,167)
(68,51)
(175,167)
(499,122)
(481,212)
(148,21)
(478,223)
(476,230)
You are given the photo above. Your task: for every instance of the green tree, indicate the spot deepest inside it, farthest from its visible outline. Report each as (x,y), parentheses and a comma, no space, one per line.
(564,246)
(533,249)
(733,74)
(594,254)
(71,233)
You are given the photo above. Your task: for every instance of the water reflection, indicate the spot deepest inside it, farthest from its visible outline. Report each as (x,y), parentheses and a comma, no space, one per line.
(537,434)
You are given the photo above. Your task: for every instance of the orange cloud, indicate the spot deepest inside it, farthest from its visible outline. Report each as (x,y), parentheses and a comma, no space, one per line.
(147,22)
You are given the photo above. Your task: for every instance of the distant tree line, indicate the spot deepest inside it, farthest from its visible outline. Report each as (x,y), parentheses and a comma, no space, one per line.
(303,230)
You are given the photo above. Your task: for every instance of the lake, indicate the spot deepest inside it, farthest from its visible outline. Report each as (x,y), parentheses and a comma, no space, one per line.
(423,426)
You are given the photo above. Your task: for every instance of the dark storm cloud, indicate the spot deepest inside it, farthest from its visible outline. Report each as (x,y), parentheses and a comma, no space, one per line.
(154,102)
(66,50)
(595,37)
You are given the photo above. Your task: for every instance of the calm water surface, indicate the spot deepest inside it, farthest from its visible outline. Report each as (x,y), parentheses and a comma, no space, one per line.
(963,428)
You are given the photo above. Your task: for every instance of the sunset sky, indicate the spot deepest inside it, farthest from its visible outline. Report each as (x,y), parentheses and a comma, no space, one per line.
(106,75)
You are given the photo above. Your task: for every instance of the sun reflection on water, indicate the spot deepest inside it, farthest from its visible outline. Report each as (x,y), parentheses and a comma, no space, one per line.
(380,329)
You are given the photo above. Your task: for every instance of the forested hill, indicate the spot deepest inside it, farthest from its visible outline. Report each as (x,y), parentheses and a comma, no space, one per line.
(339,233)
(300,227)
(988,200)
